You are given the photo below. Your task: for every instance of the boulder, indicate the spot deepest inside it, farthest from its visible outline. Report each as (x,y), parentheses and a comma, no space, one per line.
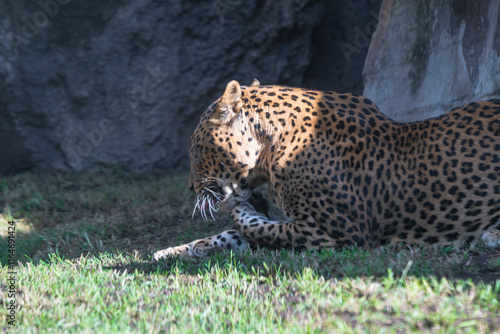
(86,85)
(427,57)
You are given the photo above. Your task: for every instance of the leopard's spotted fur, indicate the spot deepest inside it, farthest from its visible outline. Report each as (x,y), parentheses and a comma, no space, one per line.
(342,173)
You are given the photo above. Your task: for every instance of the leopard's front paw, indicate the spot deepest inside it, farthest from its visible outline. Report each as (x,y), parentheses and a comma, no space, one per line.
(492,238)
(171,252)
(247,208)
(228,204)
(245,213)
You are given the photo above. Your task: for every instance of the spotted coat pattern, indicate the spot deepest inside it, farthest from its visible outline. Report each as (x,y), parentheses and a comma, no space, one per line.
(342,173)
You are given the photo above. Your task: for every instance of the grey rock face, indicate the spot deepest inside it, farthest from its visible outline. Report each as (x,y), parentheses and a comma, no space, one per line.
(90,84)
(428,57)
(339,45)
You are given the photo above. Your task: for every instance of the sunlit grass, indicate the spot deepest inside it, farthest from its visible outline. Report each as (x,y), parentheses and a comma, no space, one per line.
(85,248)
(124,292)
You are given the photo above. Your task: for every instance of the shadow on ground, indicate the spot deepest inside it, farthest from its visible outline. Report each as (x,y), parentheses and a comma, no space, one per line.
(122,213)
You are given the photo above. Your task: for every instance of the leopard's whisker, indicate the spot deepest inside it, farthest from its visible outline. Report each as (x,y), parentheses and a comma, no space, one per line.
(208,195)
(198,203)
(195,206)
(211,209)
(203,206)
(217,196)
(212,212)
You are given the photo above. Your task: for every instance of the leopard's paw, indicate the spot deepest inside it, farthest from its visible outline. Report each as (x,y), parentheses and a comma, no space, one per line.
(171,252)
(492,238)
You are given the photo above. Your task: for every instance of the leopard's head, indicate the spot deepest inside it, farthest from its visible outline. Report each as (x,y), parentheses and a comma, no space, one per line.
(224,152)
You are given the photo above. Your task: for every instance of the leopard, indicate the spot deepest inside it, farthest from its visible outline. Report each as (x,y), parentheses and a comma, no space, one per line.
(341,173)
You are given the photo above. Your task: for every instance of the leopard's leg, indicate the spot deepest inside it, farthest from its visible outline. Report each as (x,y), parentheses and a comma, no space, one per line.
(227,240)
(259,230)
(492,238)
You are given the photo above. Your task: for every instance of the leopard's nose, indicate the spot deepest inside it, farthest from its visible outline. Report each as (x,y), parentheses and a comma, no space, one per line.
(191,187)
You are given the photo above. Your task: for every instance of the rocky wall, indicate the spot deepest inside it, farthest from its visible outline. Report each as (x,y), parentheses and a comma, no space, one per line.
(429,56)
(87,85)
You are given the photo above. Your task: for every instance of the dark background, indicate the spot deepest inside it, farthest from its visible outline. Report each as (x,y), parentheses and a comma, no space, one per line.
(95,84)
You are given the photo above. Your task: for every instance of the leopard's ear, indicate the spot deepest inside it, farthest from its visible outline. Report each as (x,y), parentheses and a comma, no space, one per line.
(255,82)
(229,104)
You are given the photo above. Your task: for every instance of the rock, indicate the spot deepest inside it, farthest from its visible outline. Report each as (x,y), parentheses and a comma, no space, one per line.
(427,57)
(339,45)
(92,84)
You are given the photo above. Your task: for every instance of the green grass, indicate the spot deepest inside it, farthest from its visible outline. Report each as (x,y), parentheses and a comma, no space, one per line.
(85,266)
(99,212)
